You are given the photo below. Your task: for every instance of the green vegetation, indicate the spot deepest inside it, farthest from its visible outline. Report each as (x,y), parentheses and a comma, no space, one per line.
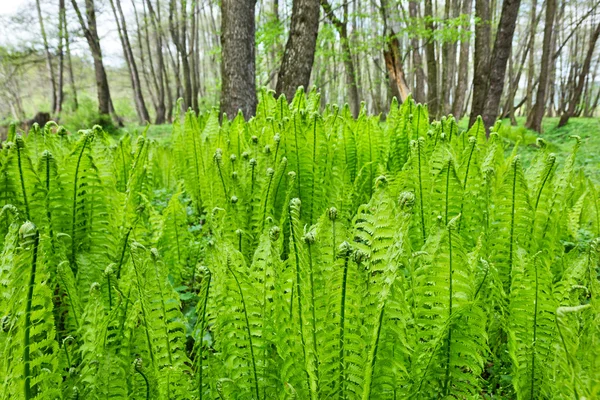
(298,255)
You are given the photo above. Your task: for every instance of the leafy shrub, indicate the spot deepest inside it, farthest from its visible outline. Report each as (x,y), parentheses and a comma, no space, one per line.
(297,255)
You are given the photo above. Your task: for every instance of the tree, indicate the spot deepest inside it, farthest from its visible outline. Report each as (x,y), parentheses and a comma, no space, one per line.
(500,54)
(136,85)
(417,60)
(49,63)
(90,31)
(481,58)
(433,100)
(534,120)
(299,53)
(585,69)
(238,65)
(178,28)
(342,27)
(463,63)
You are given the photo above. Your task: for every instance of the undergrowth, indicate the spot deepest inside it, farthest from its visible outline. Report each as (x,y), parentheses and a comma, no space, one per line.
(298,255)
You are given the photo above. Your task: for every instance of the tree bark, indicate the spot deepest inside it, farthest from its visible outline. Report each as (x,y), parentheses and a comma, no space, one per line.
(70,62)
(463,64)
(534,120)
(433,100)
(238,70)
(49,64)
(178,28)
(90,31)
(481,58)
(158,75)
(299,54)
(61,58)
(393,63)
(351,81)
(140,104)
(585,69)
(531,66)
(501,52)
(419,89)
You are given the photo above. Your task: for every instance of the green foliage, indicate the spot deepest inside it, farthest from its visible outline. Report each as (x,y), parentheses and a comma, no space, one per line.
(301,254)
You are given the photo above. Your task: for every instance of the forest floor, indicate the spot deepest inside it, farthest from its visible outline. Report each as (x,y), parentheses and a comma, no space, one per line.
(558,139)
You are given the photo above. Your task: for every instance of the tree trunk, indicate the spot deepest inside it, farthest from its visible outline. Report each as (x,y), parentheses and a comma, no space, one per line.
(178,28)
(70,63)
(105,106)
(531,66)
(299,53)
(393,62)
(140,104)
(481,58)
(61,59)
(501,52)
(433,100)
(575,98)
(238,71)
(49,64)
(158,75)
(419,89)
(463,64)
(534,120)
(351,81)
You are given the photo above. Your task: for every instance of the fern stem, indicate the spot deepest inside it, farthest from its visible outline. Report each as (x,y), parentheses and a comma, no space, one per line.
(298,291)
(146,329)
(74,215)
(26,340)
(22,178)
(314,158)
(122,258)
(139,371)
(373,357)
(450,295)
(342,375)
(202,328)
(247,331)
(314,316)
(512,223)
(462,203)
(165,317)
(535,312)
(297,162)
(421,191)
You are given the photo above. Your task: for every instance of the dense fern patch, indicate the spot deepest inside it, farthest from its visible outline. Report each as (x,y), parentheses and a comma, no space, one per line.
(298,255)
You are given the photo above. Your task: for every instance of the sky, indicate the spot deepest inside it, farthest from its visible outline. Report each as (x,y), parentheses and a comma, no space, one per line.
(109,39)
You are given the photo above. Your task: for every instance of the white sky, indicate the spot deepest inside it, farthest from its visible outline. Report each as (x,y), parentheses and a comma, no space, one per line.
(109,39)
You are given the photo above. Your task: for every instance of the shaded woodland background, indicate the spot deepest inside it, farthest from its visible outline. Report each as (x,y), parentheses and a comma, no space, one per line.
(517,59)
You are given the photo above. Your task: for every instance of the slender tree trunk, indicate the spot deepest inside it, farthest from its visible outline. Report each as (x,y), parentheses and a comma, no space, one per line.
(90,30)
(501,52)
(481,58)
(140,104)
(178,28)
(70,62)
(534,120)
(238,71)
(61,58)
(531,66)
(433,100)
(351,78)
(49,64)
(299,54)
(585,69)
(463,64)
(158,74)
(419,88)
